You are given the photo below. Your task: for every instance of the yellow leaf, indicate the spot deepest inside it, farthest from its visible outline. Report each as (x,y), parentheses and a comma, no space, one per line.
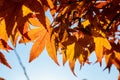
(25,10)
(38,46)
(106,43)
(100,43)
(98,49)
(80,59)
(50,3)
(51,48)
(70,51)
(3,33)
(85,23)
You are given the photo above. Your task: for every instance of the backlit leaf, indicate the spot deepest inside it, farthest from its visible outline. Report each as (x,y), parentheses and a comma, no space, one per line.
(26,10)
(32,34)
(3,33)
(51,48)
(85,23)
(38,46)
(108,59)
(100,44)
(35,22)
(50,3)
(72,65)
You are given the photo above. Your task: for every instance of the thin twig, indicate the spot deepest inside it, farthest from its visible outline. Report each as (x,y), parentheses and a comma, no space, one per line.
(21,64)
(113,19)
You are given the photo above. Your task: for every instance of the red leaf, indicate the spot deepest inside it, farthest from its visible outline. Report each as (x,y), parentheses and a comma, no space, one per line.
(3,60)
(4,45)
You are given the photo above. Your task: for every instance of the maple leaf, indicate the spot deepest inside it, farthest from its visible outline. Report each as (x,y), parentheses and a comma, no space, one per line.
(43,39)
(51,48)
(40,34)
(75,50)
(91,19)
(31,35)
(13,17)
(38,46)
(3,60)
(100,44)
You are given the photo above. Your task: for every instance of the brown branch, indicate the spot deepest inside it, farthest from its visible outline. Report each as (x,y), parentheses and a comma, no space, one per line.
(111,22)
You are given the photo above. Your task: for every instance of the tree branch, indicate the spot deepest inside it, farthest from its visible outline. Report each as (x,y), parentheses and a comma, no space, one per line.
(21,64)
(113,19)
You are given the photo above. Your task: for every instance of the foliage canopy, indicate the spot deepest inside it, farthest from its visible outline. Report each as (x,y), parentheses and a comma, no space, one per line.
(79,28)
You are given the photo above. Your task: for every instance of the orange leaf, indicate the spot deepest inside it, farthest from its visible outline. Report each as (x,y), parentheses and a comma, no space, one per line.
(38,46)
(35,22)
(100,43)
(108,60)
(50,3)
(32,35)
(3,60)
(116,60)
(101,4)
(51,49)
(72,65)
(64,58)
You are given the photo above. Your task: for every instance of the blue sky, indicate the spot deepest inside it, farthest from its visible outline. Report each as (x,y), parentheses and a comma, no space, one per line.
(43,68)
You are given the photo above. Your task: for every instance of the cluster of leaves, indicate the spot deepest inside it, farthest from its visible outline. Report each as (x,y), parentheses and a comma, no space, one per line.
(79,28)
